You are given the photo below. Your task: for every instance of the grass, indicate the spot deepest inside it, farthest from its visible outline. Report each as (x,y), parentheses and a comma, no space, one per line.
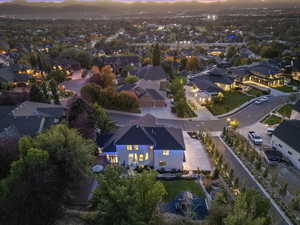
(175,187)
(232,100)
(256,92)
(272,120)
(287,89)
(295,83)
(286,110)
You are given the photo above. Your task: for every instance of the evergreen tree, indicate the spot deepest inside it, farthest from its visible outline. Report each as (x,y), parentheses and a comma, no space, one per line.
(156,54)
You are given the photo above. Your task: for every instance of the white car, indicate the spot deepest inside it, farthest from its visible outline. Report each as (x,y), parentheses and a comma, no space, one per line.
(258,102)
(257,140)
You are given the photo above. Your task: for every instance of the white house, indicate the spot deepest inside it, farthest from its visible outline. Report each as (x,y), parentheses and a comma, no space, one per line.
(286,138)
(144,143)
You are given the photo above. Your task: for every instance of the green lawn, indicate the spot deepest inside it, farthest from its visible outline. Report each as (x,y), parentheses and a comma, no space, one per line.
(295,83)
(272,120)
(231,101)
(286,110)
(256,92)
(177,186)
(287,89)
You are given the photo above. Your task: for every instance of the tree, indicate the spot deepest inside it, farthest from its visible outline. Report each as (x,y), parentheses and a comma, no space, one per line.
(156,55)
(69,152)
(102,120)
(57,75)
(219,210)
(36,95)
(131,200)
(231,52)
(29,194)
(8,153)
(105,78)
(54,91)
(131,79)
(249,209)
(193,64)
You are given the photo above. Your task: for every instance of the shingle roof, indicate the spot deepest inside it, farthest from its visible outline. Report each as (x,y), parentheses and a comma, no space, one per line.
(289,132)
(141,133)
(154,94)
(150,72)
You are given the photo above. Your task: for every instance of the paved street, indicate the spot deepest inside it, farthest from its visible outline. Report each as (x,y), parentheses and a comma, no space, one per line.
(247,116)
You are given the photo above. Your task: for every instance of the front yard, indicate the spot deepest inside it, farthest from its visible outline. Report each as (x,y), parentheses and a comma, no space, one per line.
(231,100)
(287,89)
(256,92)
(272,120)
(175,187)
(286,110)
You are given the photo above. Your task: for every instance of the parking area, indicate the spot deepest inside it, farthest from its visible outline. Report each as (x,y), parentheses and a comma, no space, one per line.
(195,155)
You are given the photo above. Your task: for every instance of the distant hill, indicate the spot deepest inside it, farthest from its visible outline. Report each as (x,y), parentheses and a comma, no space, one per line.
(102,9)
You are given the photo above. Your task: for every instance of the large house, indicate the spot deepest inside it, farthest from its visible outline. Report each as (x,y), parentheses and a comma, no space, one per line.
(144,143)
(285,139)
(29,118)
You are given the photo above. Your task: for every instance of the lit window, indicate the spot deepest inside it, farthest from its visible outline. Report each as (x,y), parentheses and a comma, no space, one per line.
(141,157)
(135,157)
(136,147)
(151,147)
(130,157)
(129,147)
(162,163)
(147,156)
(166,152)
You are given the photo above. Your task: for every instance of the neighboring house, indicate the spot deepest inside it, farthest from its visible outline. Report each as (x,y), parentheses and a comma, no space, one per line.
(285,139)
(153,77)
(10,75)
(246,53)
(144,143)
(296,111)
(29,118)
(148,97)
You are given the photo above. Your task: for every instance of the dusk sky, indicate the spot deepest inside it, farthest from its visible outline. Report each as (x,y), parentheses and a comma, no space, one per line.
(57,1)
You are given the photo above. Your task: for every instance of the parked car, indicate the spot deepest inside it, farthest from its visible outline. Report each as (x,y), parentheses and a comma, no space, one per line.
(258,102)
(270,131)
(273,157)
(256,139)
(262,100)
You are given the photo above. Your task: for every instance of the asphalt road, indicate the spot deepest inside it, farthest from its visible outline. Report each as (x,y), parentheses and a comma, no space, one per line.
(247,116)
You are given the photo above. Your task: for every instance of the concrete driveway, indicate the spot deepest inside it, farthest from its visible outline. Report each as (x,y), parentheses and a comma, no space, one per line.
(195,155)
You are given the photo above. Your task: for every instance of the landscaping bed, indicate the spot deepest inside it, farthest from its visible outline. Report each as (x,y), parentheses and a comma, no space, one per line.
(287,89)
(175,187)
(272,120)
(286,110)
(231,100)
(257,92)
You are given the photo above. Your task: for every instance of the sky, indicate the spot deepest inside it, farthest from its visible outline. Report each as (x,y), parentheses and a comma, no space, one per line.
(115,0)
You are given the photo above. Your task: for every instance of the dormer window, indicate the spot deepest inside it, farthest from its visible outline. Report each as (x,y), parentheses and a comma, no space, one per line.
(166,152)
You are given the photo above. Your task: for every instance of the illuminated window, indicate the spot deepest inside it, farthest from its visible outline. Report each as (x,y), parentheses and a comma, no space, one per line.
(130,157)
(151,147)
(141,157)
(162,163)
(147,156)
(136,147)
(135,157)
(129,147)
(166,152)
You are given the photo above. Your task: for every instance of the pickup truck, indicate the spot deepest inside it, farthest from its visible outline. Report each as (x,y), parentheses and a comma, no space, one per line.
(257,140)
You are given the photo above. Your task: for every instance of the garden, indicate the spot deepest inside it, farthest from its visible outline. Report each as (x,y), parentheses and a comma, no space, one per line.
(272,120)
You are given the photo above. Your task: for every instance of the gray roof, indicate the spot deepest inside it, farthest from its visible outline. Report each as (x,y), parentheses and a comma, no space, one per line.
(150,72)
(141,133)
(7,74)
(289,132)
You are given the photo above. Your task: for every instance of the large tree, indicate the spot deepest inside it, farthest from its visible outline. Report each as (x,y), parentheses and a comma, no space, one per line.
(156,55)
(102,120)
(131,200)
(30,195)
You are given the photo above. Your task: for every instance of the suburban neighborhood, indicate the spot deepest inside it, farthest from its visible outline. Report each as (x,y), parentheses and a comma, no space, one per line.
(153,113)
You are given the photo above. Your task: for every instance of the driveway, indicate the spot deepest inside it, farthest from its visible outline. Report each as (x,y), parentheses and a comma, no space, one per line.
(195,155)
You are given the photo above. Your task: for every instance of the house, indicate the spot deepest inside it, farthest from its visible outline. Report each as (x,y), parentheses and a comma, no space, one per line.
(246,53)
(144,143)
(285,139)
(296,111)
(148,97)
(29,118)
(153,77)
(10,75)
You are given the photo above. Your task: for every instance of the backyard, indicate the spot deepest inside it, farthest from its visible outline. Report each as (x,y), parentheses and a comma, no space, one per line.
(175,187)
(231,100)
